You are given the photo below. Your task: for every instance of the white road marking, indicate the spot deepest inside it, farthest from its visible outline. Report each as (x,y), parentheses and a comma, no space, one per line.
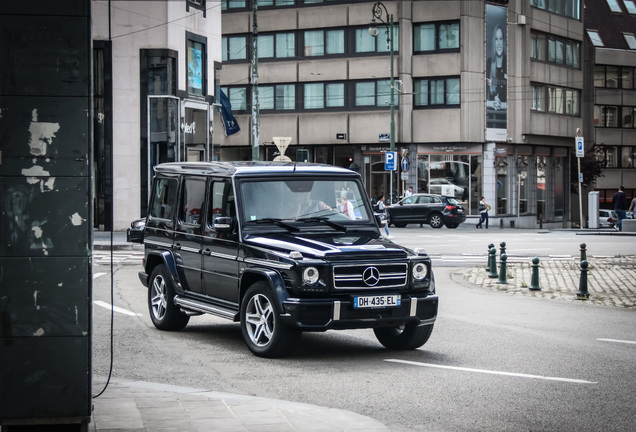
(96,275)
(617,341)
(491,372)
(115,308)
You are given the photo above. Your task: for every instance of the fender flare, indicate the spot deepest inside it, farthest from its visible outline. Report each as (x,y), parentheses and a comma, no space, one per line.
(273,278)
(169,262)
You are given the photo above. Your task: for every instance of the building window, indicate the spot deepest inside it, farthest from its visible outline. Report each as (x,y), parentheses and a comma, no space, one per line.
(196,4)
(277,97)
(627,117)
(614,6)
(196,66)
(438,92)
(613,77)
(595,38)
(279,45)
(432,37)
(321,95)
(237,97)
(538,96)
(374,93)
(230,5)
(365,43)
(631,40)
(628,158)
(324,42)
(274,3)
(630,5)
(559,50)
(569,8)
(234,47)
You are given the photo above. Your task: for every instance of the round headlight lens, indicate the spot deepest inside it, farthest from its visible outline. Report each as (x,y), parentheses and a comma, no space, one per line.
(420,271)
(310,275)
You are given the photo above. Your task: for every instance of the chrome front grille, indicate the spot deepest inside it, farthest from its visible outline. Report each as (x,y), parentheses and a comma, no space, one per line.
(369,276)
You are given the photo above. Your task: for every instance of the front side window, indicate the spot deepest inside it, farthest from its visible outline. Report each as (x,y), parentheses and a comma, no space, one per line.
(163,198)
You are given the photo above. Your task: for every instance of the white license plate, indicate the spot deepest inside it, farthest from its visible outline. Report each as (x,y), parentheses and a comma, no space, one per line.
(377,301)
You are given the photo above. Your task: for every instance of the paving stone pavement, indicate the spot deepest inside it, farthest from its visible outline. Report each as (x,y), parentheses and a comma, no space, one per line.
(611,281)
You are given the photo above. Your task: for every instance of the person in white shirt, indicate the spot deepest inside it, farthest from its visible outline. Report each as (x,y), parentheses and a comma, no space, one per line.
(408,192)
(382,209)
(346,206)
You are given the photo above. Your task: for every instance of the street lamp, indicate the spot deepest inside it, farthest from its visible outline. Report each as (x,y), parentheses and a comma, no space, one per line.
(378,10)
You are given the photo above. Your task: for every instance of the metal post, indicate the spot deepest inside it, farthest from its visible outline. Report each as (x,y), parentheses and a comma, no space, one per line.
(583,252)
(534,282)
(503,270)
(490,246)
(255,103)
(492,259)
(378,7)
(583,294)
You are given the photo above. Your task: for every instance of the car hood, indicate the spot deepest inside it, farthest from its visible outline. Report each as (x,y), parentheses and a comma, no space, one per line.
(331,247)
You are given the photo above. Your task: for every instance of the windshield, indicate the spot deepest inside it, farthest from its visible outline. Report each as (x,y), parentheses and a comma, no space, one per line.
(303,200)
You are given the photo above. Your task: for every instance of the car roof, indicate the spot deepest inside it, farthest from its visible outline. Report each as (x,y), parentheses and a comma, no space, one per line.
(247,168)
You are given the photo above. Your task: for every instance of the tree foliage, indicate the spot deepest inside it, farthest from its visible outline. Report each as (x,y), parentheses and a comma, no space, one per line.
(592,166)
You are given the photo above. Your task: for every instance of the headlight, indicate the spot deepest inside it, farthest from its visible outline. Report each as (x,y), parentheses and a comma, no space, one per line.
(310,275)
(419,271)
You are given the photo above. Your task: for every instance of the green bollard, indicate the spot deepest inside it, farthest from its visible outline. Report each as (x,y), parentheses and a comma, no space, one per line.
(490,246)
(534,282)
(502,270)
(583,254)
(583,294)
(492,260)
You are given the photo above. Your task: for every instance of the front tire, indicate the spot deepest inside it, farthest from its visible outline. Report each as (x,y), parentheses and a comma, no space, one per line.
(452,225)
(436,220)
(408,336)
(165,315)
(399,224)
(263,331)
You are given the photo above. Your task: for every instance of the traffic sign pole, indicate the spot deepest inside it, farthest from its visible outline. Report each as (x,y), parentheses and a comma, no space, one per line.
(580,152)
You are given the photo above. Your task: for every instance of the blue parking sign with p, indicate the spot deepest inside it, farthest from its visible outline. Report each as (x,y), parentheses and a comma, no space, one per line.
(390,159)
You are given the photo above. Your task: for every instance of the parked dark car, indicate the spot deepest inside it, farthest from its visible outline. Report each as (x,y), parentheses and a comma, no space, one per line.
(281,248)
(435,210)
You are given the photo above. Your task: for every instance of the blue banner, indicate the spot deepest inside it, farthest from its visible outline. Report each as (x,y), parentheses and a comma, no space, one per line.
(229,122)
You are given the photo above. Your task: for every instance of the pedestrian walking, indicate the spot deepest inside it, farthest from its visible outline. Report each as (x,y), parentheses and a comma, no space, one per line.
(483,212)
(619,200)
(408,192)
(632,208)
(382,209)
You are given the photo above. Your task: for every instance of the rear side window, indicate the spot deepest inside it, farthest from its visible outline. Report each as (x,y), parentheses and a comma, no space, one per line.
(163,198)
(192,200)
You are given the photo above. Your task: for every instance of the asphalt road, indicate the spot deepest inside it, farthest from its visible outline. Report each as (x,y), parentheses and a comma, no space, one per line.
(494,362)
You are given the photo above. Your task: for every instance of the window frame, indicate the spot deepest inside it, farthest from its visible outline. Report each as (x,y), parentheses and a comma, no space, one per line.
(444,81)
(192,41)
(436,37)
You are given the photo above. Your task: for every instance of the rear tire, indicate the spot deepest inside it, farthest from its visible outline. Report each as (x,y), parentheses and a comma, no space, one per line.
(405,337)
(452,225)
(400,224)
(436,220)
(165,315)
(263,331)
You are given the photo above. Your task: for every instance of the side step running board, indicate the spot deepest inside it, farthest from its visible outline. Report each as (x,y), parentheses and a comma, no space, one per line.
(198,306)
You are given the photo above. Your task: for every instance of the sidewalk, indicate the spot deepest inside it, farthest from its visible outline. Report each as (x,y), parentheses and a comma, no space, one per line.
(610,280)
(149,407)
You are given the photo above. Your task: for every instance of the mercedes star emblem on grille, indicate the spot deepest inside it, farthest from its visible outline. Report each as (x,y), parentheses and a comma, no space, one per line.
(371,276)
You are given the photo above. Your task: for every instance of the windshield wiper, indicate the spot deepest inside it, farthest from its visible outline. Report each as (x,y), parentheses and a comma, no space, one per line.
(278,222)
(326,220)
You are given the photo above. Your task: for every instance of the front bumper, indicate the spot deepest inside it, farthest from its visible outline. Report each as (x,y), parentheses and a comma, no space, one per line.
(326,314)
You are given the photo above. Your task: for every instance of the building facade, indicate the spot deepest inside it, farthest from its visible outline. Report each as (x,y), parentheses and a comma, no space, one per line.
(154,66)
(611,44)
(487,95)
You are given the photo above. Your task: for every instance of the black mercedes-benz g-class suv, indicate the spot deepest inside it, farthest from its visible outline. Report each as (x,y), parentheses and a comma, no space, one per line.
(282,248)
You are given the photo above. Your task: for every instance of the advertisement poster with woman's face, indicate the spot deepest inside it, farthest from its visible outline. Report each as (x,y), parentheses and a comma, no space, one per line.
(496,73)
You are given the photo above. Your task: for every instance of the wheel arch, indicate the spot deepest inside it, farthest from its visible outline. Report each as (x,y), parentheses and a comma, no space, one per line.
(271,277)
(167,259)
